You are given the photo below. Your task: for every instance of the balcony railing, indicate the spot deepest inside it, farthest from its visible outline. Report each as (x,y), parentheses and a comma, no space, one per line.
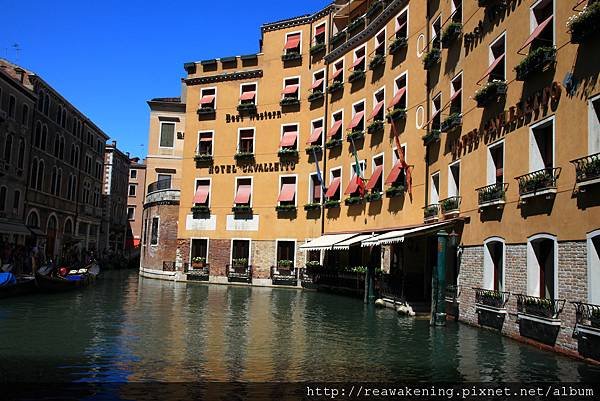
(239,273)
(587,168)
(542,307)
(281,275)
(492,194)
(159,185)
(450,205)
(587,314)
(538,181)
(495,299)
(430,212)
(452,293)
(334,278)
(168,266)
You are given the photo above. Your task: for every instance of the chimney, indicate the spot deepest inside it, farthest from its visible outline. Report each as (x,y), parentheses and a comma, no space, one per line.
(20,73)
(114,144)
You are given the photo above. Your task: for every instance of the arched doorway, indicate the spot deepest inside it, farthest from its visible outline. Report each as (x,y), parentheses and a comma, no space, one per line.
(51,236)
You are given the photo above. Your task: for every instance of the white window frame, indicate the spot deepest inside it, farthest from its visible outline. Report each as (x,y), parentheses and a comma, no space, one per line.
(133,215)
(235,189)
(593,269)
(212,134)
(314,31)
(395,149)
(491,166)
(288,34)
(310,188)
(333,121)
(533,23)
(209,179)
(297,125)
(397,88)
(354,55)
(312,128)
(534,146)
(281,177)
(364,104)
(453,91)
(160,134)
(397,25)
(207,247)
(314,79)
(533,273)
(253,138)
(488,264)
(373,166)
(432,186)
(362,163)
(593,126)
(451,181)
(157,231)
(433,33)
(299,78)
(255,83)
(335,69)
(277,241)
(378,43)
(249,240)
(209,88)
(341,170)
(134,190)
(491,57)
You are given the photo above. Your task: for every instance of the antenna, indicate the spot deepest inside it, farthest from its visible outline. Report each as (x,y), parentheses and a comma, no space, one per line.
(17,50)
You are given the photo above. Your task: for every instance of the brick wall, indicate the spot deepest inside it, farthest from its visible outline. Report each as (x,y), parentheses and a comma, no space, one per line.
(572,286)
(153,255)
(263,257)
(219,251)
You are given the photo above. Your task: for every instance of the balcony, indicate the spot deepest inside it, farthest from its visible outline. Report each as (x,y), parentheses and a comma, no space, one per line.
(432,58)
(536,61)
(159,186)
(587,329)
(452,293)
(539,307)
(538,318)
(397,44)
(162,191)
(284,273)
(431,212)
(374,10)
(492,195)
(203,158)
(239,271)
(537,183)
(587,171)
(496,300)
(450,206)
(584,26)
(197,270)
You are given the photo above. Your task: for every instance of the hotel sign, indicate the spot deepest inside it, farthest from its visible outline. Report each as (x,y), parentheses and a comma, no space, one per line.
(522,113)
(252,168)
(263,115)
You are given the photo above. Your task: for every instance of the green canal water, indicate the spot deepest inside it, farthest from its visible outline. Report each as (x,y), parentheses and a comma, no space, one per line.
(133,329)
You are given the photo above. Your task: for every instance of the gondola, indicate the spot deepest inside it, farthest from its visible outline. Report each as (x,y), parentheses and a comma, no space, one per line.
(12,286)
(51,279)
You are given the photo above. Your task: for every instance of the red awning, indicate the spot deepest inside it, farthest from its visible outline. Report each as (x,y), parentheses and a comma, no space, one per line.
(320,30)
(247,134)
(401,26)
(536,32)
(456,94)
(207,99)
(357,62)
(248,96)
(288,139)
(206,138)
(243,194)
(314,137)
(293,41)
(397,97)
(287,193)
(337,73)
(491,67)
(376,110)
(356,120)
(290,89)
(317,83)
(393,176)
(201,194)
(375,177)
(333,187)
(334,128)
(352,185)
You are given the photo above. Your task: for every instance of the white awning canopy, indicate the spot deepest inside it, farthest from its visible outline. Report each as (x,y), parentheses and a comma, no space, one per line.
(396,236)
(326,241)
(352,241)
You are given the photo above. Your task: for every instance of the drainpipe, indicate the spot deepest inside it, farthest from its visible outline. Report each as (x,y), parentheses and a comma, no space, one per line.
(325,125)
(428,106)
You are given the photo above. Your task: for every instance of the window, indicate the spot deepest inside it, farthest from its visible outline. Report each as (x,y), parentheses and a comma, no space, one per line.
(130,213)
(338,71)
(154,231)
(454,179)
(456,95)
(319,35)
(493,264)
(318,84)
(199,249)
(8,148)
(434,191)
(16,201)
(378,102)
(205,143)
(167,134)
(333,191)
(246,140)
(46,104)
(286,250)
(495,165)
(456,9)
(541,25)
(21,156)
(289,137)
(293,43)
(3,198)
(353,186)
(53,181)
(58,114)
(541,147)
(375,183)
(61,149)
(436,32)
(208,98)
(40,176)
(12,106)
(44,137)
(541,266)
(248,93)
(314,188)
(33,174)
(359,59)
(240,249)
(88,164)
(380,43)
(132,189)
(399,101)
(594,126)
(593,252)
(496,61)
(202,194)
(25,115)
(145,233)
(397,173)
(335,132)
(164,181)
(243,191)
(56,146)
(287,191)
(358,117)
(133,174)
(316,133)
(99,170)
(291,87)
(401,24)
(38,135)
(436,116)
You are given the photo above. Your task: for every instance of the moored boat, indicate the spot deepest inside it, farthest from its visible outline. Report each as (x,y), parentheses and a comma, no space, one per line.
(11,285)
(50,279)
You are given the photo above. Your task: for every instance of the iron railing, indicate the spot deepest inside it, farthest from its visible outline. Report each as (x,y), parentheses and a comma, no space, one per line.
(493,298)
(587,314)
(492,193)
(336,278)
(538,180)
(159,186)
(450,204)
(200,271)
(431,211)
(281,275)
(168,266)
(587,168)
(239,272)
(542,307)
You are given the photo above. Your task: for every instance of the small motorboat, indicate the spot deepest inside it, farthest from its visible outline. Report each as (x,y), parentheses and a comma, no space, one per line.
(51,279)
(12,285)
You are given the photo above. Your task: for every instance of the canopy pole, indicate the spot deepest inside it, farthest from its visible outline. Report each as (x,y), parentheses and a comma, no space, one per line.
(438,307)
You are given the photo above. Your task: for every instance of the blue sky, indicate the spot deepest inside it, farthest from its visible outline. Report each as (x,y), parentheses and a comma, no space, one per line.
(109,57)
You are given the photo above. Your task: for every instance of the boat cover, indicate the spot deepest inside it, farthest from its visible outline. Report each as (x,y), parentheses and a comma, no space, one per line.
(74,277)
(7,279)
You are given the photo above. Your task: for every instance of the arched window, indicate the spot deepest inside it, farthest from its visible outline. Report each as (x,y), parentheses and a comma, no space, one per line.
(56,146)
(494,256)
(53,181)
(40,103)
(59,182)
(25,115)
(8,148)
(38,135)
(68,226)
(34,171)
(58,114)
(33,220)
(542,263)
(2,198)
(44,137)
(63,122)
(40,176)
(21,156)
(61,152)
(46,104)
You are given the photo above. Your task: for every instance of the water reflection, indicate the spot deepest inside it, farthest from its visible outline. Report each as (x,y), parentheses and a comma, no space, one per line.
(132,329)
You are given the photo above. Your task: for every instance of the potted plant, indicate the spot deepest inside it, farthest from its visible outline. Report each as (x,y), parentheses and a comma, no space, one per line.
(317,48)
(283,152)
(398,44)
(430,211)
(454,120)
(591,170)
(431,136)
(239,262)
(198,210)
(355,135)
(204,110)
(377,61)
(203,158)
(374,10)
(394,190)
(242,156)
(451,33)
(246,108)
(291,56)
(536,61)
(584,26)
(595,318)
(289,101)
(373,196)
(333,143)
(198,262)
(431,58)
(241,209)
(396,114)
(315,95)
(312,206)
(375,126)
(353,200)
(331,204)
(285,208)
(490,92)
(356,75)
(285,264)
(335,86)
(357,23)
(316,148)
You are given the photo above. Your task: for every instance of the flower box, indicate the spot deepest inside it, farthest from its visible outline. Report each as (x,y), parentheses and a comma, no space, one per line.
(358,23)
(454,120)
(331,204)
(394,191)
(243,156)
(396,114)
(246,108)
(317,48)
(287,152)
(356,75)
(353,200)
(492,193)
(199,210)
(285,208)
(536,61)
(431,58)
(291,56)
(449,205)
(398,44)
(203,158)
(198,262)
(335,86)
(241,209)
(312,206)
(375,126)
(377,61)
(584,26)
(239,263)
(205,110)
(374,10)
(451,33)
(431,212)
(432,136)
(289,101)
(316,148)
(355,135)
(285,264)
(315,95)
(490,92)
(538,181)
(312,264)
(338,37)
(333,143)
(373,196)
